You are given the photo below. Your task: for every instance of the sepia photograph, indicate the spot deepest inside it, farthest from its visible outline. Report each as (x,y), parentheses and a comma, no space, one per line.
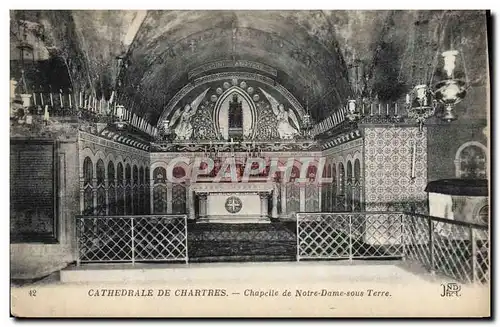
(249,163)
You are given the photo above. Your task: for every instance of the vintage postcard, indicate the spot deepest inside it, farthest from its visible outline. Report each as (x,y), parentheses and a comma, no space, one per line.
(249,163)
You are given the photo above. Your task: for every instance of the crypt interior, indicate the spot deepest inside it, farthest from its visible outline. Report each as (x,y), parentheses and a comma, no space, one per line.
(111,111)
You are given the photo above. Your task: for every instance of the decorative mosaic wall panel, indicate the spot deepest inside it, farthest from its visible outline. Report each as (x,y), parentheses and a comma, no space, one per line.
(391,154)
(312,198)
(178,199)
(292,197)
(160,199)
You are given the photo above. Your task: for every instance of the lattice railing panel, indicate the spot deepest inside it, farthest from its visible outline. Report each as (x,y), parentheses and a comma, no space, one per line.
(416,231)
(457,249)
(322,235)
(379,235)
(132,238)
(349,235)
(160,238)
(104,239)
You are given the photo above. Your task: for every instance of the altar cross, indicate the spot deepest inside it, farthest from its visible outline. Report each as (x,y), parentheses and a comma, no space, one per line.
(234,204)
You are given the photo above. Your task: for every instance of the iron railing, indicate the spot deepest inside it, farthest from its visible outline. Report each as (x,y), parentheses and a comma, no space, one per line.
(456,249)
(131,238)
(349,235)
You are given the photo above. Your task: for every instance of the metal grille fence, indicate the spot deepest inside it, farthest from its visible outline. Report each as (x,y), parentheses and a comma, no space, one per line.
(349,235)
(457,249)
(131,238)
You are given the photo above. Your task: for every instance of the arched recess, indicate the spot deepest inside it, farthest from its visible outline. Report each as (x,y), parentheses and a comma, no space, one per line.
(251,104)
(101,187)
(471,160)
(341,205)
(88,186)
(357,185)
(120,188)
(111,188)
(159,189)
(349,187)
(229,77)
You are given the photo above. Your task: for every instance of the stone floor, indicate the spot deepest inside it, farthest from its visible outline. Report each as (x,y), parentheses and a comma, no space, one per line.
(339,271)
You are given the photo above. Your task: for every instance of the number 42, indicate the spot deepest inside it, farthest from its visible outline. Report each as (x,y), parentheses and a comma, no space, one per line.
(32,293)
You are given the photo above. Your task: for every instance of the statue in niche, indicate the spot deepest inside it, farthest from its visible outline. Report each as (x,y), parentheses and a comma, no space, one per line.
(288,125)
(235,113)
(182,118)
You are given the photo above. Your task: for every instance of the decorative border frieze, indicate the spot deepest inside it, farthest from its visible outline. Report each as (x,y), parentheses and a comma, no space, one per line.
(101,141)
(232,64)
(341,139)
(231,187)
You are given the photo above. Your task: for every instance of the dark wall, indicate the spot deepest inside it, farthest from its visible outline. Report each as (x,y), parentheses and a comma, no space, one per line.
(443,142)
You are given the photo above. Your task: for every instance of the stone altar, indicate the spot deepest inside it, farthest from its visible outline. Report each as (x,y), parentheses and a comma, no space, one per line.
(233,202)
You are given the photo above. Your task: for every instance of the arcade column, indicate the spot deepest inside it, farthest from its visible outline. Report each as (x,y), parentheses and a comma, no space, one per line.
(202,197)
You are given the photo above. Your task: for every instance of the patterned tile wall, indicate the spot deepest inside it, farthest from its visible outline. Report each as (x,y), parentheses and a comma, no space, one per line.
(388,169)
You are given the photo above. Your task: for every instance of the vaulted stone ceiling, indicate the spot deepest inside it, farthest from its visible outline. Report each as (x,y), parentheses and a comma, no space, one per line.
(311,50)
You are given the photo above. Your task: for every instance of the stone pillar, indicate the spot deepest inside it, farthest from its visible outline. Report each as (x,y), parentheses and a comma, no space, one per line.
(169,198)
(94,196)
(302,197)
(283,199)
(203,204)
(263,204)
(191,198)
(274,212)
(151,196)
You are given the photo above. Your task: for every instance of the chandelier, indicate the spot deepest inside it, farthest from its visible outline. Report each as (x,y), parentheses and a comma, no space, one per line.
(425,98)
(451,90)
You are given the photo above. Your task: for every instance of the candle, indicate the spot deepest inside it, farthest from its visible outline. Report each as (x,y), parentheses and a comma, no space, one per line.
(51,100)
(41,99)
(407,98)
(69,98)
(85,105)
(363,109)
(379,108)
(60,98)
(34,98)
(46,115)
(81,99)
(396,108)
(371,109)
